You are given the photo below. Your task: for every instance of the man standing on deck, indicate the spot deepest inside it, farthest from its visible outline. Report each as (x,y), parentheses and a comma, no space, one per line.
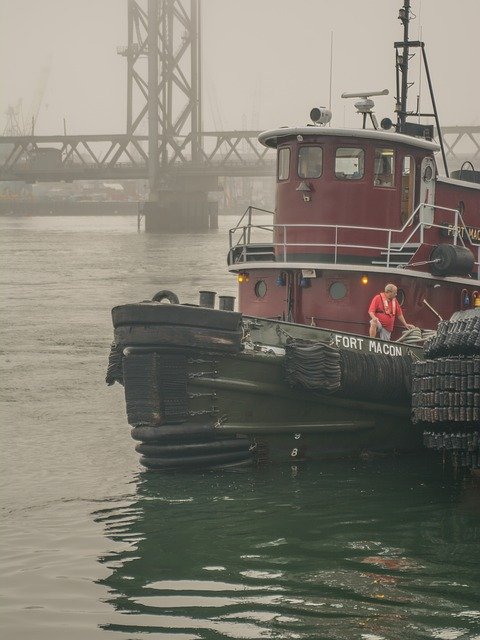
(383,310)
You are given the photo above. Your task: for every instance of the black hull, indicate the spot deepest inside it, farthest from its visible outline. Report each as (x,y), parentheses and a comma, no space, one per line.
(198,394)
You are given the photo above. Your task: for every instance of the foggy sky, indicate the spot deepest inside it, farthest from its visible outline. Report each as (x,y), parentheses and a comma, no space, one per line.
(266,63)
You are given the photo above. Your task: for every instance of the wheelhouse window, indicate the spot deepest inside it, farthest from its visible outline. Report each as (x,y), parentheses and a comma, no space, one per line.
(349,163)
(384,168)
(283,169)
(310,162)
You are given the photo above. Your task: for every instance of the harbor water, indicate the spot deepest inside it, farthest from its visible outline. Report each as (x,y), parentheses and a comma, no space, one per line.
(94,547)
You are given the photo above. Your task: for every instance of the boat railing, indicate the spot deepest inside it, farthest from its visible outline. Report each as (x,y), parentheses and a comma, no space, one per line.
(245,234)
(245,228)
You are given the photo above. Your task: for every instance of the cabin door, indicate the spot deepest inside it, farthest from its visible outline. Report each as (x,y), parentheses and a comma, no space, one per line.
(408,190)
(427,190)
(289,311)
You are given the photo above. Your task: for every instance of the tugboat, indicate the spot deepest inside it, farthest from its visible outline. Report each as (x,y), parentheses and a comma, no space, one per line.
(294,374)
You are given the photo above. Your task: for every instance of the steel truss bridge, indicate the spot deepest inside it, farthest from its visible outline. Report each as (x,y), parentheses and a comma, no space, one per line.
(124,156)
(163,98)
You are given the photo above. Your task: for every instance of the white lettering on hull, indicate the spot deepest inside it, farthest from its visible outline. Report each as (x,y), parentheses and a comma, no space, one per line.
(349,342)
(384,347)
(374,346)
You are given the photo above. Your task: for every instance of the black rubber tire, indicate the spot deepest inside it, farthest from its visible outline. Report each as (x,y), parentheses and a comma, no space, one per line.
(213,460)
(164,336)
(452,260)
(169,432)
(186,449)
(165,294)
(143,313)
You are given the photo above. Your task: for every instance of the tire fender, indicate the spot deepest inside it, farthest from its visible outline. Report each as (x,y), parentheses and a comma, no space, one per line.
(165,294)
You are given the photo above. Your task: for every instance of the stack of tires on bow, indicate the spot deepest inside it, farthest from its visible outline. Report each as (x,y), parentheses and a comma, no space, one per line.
(446,389)
(159,350)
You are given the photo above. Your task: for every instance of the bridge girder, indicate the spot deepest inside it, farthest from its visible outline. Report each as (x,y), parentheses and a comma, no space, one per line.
(166,95)
(99,157)
(164,121)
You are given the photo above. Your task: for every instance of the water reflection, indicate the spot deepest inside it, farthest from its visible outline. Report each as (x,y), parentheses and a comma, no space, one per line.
(381,549)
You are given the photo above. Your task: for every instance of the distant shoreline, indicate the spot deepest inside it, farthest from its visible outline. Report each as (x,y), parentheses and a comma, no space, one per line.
(22,208)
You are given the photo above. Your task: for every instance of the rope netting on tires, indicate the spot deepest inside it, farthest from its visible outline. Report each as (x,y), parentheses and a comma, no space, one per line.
(115,365)
(458,336)
(326,368)
(313,365)
(446,384)
(446,390)
(376,376)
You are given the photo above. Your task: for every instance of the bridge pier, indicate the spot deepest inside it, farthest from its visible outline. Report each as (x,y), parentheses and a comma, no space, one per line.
(180,212)
(182,206)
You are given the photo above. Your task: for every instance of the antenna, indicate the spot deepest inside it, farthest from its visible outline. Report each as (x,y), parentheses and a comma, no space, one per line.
(365,94)
(331,68)
(419,98)
(365,104)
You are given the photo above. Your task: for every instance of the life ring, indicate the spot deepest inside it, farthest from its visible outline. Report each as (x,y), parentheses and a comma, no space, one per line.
(165,294)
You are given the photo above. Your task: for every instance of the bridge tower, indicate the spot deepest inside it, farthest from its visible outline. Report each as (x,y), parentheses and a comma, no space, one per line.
(164,99)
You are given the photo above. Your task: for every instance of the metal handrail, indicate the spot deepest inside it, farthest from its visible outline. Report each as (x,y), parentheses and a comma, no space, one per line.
(246,229)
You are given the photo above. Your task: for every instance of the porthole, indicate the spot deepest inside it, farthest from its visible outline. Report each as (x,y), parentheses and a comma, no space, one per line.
(401,297)
(338,290)
(261,289)
(427,173)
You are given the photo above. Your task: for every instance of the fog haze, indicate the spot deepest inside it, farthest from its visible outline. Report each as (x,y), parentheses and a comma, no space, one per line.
(265,62)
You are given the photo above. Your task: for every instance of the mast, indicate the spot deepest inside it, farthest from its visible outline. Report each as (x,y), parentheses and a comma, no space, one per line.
(402,84)
(402,66)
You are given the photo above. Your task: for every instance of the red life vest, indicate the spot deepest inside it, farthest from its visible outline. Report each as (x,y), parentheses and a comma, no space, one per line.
(386,307)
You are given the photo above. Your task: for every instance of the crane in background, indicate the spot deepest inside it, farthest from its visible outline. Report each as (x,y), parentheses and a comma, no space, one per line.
(19,124)
(15,125)
(37,99)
